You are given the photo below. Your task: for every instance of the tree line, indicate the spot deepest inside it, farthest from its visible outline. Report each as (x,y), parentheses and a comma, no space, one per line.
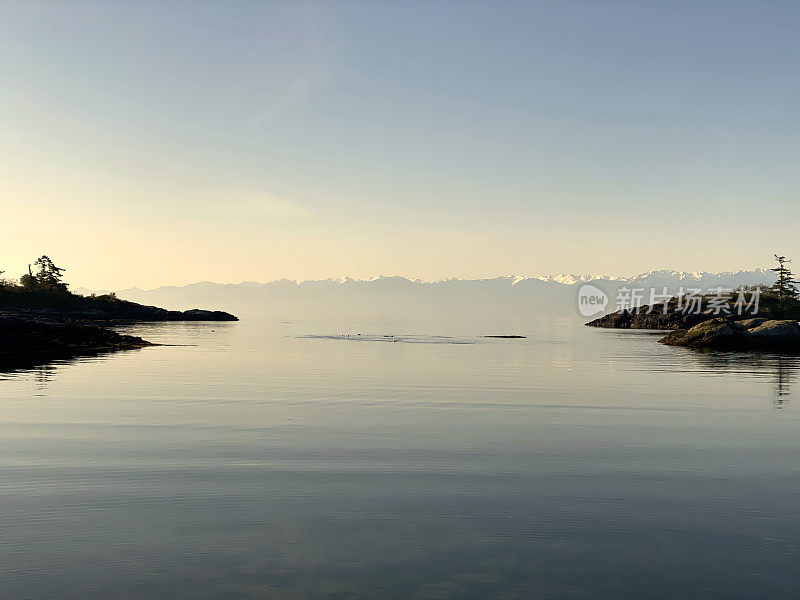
(44,276)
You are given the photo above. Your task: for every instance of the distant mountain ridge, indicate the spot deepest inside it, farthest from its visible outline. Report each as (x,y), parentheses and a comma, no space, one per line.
(397,296)
(744,277)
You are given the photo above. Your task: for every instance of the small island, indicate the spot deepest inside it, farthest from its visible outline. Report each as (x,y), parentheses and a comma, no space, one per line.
(772,325)
(41,320)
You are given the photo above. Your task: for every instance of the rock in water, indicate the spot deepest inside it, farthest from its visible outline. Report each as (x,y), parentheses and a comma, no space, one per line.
(771,330)
(749,334)
(716,334)
(648,318)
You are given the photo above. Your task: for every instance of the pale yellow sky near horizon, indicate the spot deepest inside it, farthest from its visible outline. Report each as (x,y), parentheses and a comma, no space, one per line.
(113,232)
(244,235)
(142,144)
(103,250)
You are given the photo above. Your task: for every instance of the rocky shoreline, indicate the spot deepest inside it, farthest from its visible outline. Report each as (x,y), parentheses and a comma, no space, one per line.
(27,342)
(648,320)
(758,334)
(25,334)
(37,327)
(654,317)
(106,308)
(708,331)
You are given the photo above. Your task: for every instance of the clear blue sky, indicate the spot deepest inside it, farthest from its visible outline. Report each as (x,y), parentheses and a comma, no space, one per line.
(148,143)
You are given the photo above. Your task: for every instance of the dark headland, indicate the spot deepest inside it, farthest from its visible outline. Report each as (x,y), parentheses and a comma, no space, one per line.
(41,320)
(775,328)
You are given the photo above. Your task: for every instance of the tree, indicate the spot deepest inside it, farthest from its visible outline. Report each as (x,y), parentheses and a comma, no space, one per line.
(28,280)
(785,286)
(48,276)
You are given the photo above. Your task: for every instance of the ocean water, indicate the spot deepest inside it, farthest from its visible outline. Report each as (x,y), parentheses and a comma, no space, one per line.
(408,460)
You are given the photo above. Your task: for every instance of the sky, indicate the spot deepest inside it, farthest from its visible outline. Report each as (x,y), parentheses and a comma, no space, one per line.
(162,143)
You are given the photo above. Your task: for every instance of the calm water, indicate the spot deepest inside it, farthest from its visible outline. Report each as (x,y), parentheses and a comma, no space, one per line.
(287,460)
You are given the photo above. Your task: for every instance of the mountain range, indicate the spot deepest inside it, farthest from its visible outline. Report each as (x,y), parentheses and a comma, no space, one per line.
(399,297)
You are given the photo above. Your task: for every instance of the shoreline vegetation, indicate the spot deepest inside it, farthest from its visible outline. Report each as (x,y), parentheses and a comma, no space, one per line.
(41,320)
(773,326)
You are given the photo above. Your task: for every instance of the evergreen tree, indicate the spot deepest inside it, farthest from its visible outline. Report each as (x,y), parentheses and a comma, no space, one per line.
(48,276)
(785,286)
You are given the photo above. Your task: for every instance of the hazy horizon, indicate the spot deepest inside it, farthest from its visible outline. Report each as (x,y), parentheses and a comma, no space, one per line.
(562,278)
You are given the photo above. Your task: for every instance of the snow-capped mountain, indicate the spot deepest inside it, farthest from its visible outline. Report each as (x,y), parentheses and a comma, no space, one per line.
(399,296)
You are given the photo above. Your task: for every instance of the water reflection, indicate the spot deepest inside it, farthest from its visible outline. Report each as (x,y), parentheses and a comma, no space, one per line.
(784,377)
(247,461)
(781,369)
(44,365)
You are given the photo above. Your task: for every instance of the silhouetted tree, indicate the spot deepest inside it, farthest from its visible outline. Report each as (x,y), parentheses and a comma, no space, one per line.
(48,276)
(28,280)
(785,286)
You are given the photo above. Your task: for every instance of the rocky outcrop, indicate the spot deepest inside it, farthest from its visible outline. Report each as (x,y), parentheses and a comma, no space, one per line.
(122,312)
(654,317)
(199,314)
(26,342)
(748,334)
(648,320)
(774,330)
(19,334)
(99,309)
(715,333)
(38,326)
